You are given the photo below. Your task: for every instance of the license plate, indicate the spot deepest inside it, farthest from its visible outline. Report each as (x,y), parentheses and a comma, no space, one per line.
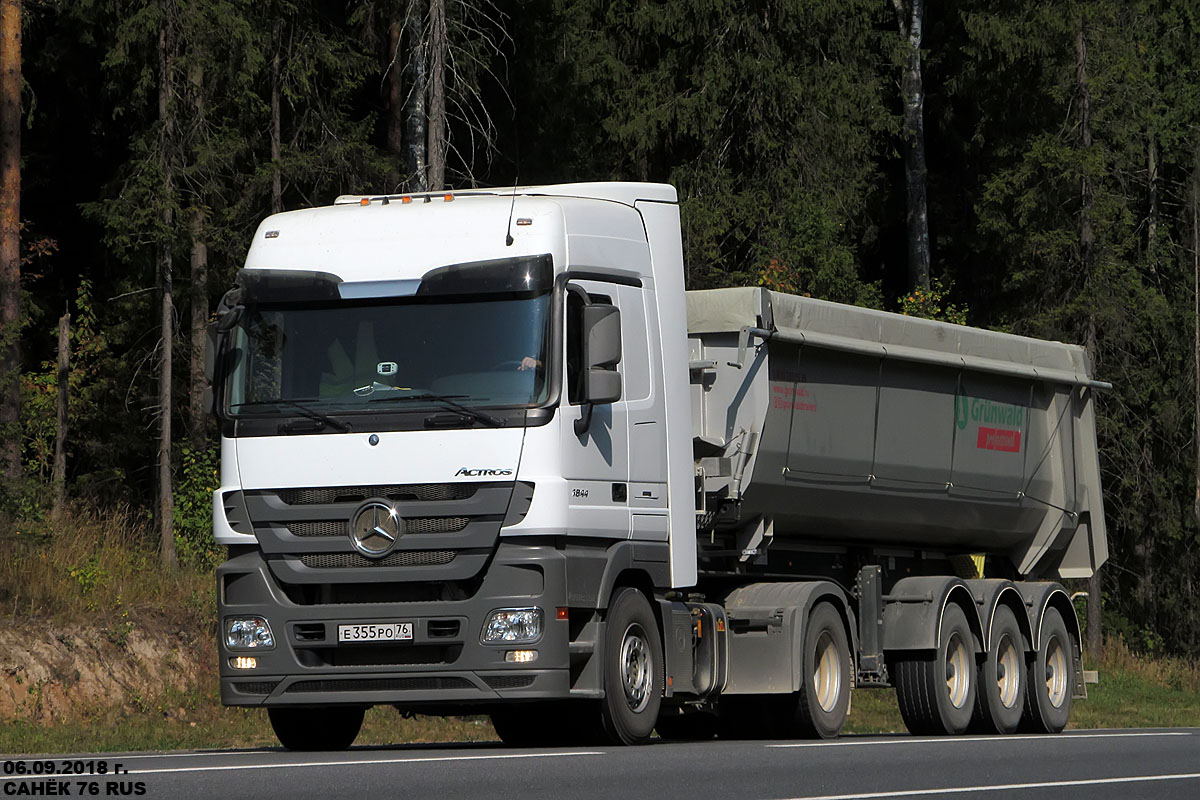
(389,632)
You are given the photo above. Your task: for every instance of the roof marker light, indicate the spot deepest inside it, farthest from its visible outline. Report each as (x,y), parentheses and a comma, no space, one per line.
(523,221)
(448,197)
(366,201)
(406,199)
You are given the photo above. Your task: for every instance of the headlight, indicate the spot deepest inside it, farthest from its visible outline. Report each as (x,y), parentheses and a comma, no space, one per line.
(513,625)
(245,633)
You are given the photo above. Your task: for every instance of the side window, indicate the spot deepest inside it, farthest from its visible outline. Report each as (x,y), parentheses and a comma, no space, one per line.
(574,370)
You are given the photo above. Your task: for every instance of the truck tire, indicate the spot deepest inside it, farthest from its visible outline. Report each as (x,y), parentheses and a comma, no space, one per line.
(331,728)
(633,669)
(1051,680)
(823,701)
(936,689)
(1000,699)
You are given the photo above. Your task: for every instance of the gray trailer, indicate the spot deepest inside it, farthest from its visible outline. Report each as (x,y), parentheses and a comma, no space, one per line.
(928,480)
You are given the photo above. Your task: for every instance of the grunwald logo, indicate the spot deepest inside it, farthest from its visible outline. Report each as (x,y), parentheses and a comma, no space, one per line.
(464,472)
(975,409)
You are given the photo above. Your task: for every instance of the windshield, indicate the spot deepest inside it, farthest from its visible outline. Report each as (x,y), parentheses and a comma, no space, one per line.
(411,352)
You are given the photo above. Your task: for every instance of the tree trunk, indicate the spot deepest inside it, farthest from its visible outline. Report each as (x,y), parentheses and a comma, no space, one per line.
(197,413)
(1153,214)
(1196,314)
(166,510)
(10,238)
(59,475)
(1087,240)
(276,130)
(1095,634)
(415,105)
(199,301)
(395,99)
(437,95)
(911,18)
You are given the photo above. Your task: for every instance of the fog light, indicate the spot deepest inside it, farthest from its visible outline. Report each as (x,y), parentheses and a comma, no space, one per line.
(521,656)
(243,662)
(513,625)
(244,633)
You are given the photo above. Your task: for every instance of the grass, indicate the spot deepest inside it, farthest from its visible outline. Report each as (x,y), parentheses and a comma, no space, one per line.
(96,567)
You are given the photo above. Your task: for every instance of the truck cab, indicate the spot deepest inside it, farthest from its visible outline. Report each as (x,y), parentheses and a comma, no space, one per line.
(444,444)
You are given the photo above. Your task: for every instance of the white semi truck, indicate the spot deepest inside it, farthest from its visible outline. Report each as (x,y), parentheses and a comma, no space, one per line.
(482,453)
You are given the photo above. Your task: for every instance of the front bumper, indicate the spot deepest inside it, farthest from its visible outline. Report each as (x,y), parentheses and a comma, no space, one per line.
(444,665)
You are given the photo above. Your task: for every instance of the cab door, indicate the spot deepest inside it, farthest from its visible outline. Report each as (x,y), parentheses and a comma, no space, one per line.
(596,462)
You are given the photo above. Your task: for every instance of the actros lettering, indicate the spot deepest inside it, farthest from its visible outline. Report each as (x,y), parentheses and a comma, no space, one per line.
(464,472)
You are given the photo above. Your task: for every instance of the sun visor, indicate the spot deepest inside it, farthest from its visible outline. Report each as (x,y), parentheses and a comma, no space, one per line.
(287,286)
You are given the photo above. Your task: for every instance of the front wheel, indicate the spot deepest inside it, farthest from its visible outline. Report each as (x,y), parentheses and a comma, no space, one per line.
(307,729)
(633,669)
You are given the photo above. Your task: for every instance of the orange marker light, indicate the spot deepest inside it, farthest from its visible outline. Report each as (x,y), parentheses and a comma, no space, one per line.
(405,199)
(366,201)
(448,197)
(561,613)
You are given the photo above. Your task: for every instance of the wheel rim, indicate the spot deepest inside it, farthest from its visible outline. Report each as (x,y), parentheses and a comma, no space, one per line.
(1056,673)
(827,677)
(958,676)
(1008,672)
(636,674)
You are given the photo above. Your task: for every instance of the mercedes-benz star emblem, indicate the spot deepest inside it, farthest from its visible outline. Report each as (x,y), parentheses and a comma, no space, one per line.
(375,528)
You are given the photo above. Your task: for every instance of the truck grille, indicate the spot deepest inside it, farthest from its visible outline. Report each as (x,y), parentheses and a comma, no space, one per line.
(417,525)
(403,558)
(421,492)
(432,683)
(304,533)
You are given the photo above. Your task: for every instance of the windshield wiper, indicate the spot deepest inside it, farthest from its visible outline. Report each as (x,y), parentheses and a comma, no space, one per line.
(310,413)
(446,400)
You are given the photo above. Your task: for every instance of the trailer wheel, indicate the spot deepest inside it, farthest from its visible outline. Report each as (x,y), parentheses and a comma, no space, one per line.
(821,704)
(633,669)
(332,728)
(1001,695)
(936,689)
(1051,678)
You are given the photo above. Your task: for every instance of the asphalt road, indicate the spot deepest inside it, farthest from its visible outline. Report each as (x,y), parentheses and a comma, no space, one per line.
(1162,764)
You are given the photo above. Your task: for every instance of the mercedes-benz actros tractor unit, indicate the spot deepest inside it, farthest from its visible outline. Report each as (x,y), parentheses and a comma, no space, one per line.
(482,454)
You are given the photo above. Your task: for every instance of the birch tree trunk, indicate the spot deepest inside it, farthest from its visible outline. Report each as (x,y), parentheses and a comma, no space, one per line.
(910,15)
(276,130)
(438,44)
(10,238)
(415,79)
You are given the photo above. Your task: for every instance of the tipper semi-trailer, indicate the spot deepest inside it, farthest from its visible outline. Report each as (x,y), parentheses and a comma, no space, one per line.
(482,453)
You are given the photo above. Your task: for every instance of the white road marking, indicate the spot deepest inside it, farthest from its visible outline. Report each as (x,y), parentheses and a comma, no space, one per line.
(1185,776)
(136,773)
(965,739)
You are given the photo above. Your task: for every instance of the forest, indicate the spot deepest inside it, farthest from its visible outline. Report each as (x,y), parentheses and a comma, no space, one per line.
(1031,166)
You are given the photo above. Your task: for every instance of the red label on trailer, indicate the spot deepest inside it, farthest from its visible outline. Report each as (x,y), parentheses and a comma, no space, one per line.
(1005,441)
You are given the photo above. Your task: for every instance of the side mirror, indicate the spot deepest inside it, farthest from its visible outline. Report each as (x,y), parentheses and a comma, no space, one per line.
(601,354)
(601,331)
